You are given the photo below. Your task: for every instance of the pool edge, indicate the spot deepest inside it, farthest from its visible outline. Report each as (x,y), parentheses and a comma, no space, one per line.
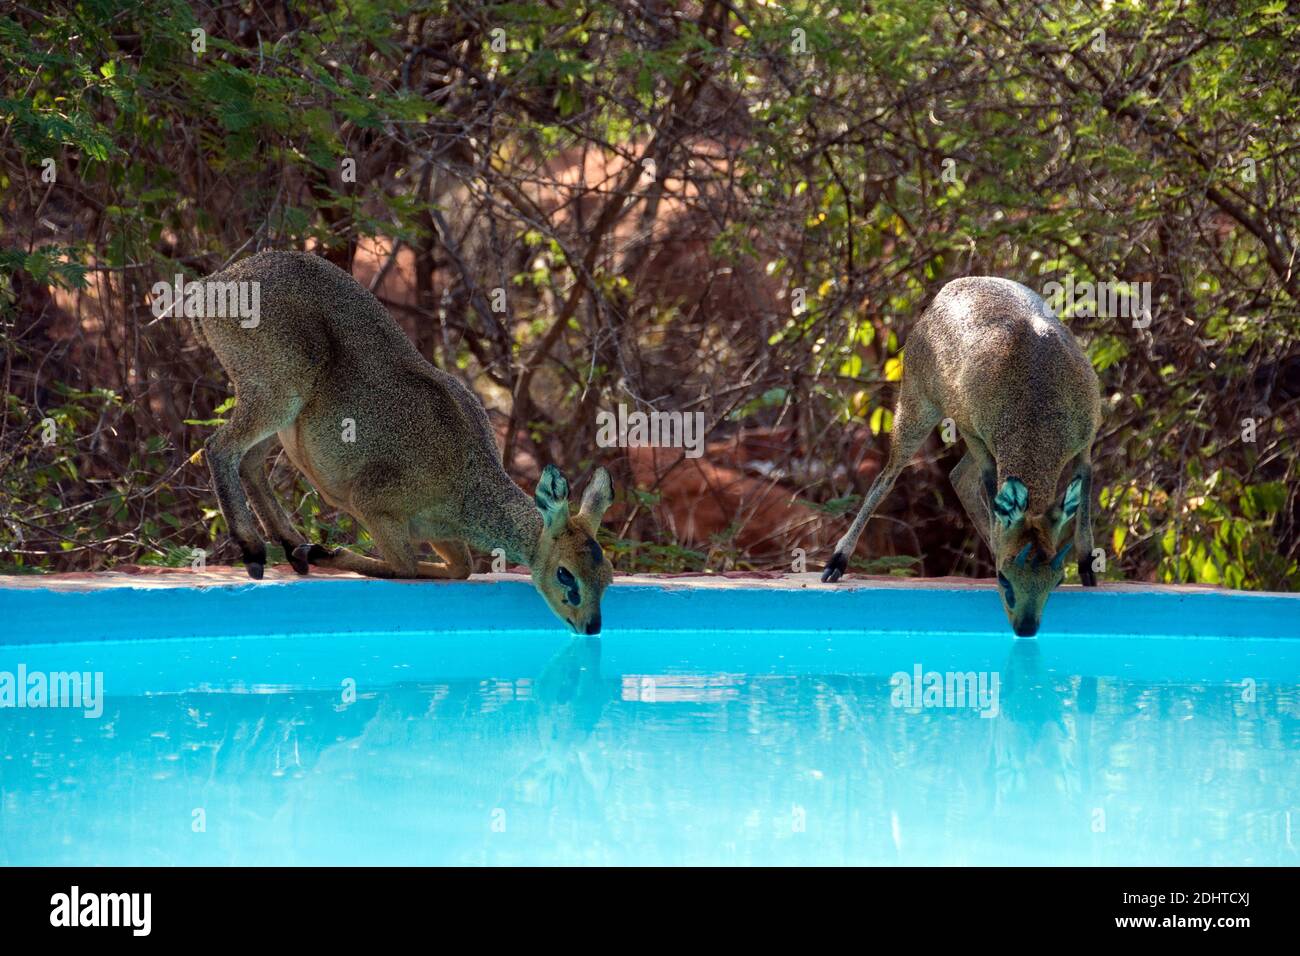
(124,610)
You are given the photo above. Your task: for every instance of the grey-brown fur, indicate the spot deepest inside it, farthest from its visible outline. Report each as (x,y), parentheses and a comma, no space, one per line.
(989,354)
(424,465)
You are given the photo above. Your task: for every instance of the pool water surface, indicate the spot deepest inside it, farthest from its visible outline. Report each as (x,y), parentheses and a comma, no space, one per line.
(653,747)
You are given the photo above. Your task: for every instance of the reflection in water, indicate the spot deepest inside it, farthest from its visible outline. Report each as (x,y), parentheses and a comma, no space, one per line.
(576,765)
(568,780)
(1034,745)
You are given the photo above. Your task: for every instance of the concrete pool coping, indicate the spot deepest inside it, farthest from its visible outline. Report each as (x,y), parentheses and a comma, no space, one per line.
(221,601)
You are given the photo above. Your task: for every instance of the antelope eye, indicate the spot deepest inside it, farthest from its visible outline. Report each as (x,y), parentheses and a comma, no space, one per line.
(1007,589)
(571,593)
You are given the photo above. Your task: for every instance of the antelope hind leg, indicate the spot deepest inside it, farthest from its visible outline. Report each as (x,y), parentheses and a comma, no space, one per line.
(267,508)
(914,419)
(259,414)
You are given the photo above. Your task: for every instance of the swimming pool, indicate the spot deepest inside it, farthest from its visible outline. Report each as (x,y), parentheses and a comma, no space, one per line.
(725,722)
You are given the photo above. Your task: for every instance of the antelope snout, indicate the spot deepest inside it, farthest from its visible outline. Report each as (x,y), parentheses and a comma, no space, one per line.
(1026,627)
(593,626)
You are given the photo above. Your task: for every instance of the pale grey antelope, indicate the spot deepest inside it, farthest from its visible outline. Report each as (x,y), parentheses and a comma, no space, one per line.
(989,354)
(382,434)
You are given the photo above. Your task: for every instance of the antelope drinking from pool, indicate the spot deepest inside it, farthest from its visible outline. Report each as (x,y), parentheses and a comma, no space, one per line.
(990,355)
(324,363)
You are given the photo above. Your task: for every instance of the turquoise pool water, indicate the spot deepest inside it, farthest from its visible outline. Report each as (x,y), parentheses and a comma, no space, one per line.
(657,747)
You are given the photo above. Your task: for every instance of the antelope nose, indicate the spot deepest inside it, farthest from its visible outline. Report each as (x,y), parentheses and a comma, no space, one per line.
(593,626)
(1026,628)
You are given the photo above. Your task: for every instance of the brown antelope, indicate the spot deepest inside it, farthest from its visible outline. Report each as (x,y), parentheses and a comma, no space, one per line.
(382,434)
(989,354)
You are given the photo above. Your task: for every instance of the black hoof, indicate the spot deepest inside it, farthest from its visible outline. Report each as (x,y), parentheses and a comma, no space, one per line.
(835,568)
(297,556)
(1086,576)
(306,554)
(319,552)
(255,563)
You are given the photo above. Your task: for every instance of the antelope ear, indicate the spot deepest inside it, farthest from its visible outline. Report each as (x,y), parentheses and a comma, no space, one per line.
(598,497)
(552,497)
(1073,496)
(1011,501)
(1069,506)
(1058,562)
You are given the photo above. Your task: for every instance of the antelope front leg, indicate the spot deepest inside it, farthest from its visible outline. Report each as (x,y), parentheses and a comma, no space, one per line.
(1083,522)
(970,486)
(398,560)
(347,560)
(459,562)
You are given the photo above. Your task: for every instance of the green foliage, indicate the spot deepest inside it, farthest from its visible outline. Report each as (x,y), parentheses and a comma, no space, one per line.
(644,556)
(899,566)
(806,145)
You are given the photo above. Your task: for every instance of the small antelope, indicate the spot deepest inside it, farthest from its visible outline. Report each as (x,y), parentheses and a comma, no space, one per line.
(382,434)
(989,354)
